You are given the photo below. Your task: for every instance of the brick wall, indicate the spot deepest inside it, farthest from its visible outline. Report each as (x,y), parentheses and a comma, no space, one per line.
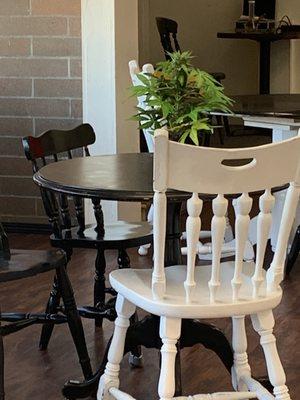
(40,89)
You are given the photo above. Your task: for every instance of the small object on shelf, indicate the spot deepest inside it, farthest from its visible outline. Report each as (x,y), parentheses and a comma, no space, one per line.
(251,23)
(261,25)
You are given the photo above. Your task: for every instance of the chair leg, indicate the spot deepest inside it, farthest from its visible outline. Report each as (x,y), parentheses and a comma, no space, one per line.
(123,259)
(74,320)
(135,356)
(264,323)
(52,308)
(99,284)
(241,367)
(169,331)
(110,378)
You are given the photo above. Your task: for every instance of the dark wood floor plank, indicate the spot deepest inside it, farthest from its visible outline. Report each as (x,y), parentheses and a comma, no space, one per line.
(35,375)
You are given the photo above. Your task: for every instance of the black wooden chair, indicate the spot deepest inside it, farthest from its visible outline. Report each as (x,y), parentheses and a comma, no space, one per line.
(18,264)
(71,233)
(168,29)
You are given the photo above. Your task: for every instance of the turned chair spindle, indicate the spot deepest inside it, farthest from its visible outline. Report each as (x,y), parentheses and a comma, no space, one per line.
(218,226)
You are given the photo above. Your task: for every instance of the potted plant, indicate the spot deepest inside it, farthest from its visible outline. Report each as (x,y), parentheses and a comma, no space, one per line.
(180,97)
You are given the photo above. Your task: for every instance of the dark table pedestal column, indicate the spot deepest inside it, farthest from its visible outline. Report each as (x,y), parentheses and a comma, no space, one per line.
(264,62)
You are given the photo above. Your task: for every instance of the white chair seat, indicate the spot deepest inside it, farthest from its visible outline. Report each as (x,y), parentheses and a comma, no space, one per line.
(135,284)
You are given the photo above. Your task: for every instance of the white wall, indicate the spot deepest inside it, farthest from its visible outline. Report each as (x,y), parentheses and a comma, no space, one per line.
(199,21)
(109,41)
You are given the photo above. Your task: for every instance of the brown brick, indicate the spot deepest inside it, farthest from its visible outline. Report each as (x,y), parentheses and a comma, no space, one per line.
(76,108)
(11,186)
(25,219)
(16,166)
(75,26)
(15,87)
(35,107)
(44,124)
(57,47)
(75,68)
(17,206)
(14,47)
(58,88)
(11,147)
(33,67)
(37,26)
(55,7)
(14,7)
(40,211)
(16,126)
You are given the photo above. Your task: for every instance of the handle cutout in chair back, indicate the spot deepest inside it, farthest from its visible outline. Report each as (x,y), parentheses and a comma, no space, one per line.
(238,164)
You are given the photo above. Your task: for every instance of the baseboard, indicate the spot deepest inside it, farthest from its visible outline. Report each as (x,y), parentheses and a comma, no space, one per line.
(23,227)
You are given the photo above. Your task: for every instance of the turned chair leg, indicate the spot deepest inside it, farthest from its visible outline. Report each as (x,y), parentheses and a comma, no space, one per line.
(135,356)
(110,378)
(264,323)
(52,308)
(241,367)
(74,321)
(169,331)
(99,285)
(123,259)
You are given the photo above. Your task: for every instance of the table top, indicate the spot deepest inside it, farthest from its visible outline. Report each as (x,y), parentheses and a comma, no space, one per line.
(259,36)
(124,177)
(268,105)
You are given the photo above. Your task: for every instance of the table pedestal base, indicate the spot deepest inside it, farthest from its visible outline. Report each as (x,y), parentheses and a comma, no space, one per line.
(146,333)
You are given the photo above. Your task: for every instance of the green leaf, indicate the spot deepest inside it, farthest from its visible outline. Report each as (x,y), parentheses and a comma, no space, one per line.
(194,136)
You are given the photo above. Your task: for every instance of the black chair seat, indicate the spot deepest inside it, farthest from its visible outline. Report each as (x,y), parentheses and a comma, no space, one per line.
(120,234)
(27,263)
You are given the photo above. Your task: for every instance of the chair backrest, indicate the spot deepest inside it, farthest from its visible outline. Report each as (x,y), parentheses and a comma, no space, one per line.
(219,172)
(55,145)
(134,70)
(167,29)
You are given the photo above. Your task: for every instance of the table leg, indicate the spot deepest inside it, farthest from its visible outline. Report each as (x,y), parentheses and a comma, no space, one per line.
(264,69)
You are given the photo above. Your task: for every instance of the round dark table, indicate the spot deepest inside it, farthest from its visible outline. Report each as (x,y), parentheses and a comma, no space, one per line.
(128,177)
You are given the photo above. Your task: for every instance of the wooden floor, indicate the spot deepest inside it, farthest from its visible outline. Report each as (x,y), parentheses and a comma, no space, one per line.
(35,375)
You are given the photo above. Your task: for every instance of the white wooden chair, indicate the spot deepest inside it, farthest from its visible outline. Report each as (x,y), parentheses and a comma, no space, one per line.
(229,289)
(204,250)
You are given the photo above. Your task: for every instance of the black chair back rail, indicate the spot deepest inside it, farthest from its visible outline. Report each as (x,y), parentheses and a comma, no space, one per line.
(167,29)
